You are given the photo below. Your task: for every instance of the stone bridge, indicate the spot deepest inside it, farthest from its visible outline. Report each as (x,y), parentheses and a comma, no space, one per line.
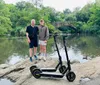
(65,24)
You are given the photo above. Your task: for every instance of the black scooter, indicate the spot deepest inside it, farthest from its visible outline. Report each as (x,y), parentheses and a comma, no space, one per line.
(37,73)
(59,66)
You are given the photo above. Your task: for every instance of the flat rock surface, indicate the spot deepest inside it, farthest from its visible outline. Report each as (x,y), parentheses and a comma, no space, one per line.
(20,73)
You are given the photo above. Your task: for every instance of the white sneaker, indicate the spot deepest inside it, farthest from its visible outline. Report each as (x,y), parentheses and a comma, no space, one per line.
(40,57)
(44,58)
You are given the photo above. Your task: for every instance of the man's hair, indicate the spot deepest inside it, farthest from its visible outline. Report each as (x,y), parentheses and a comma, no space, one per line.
(33,20)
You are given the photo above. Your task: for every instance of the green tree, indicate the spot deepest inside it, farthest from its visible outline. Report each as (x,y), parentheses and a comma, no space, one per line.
(5,23)
(67,11)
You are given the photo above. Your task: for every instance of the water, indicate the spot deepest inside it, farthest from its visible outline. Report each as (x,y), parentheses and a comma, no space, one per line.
(72,55)
(13,50)
(14,59)
(5,82)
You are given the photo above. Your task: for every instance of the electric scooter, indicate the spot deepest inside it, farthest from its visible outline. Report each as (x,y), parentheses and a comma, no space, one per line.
(70,75)
(59,66)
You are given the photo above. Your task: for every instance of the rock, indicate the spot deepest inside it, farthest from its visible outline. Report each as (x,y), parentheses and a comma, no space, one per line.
(83,80)
(95,81)
(21,74)
(3,66)
(87,58)
(75,61)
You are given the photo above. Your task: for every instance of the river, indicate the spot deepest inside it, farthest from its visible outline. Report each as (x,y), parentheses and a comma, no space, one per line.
(15,49)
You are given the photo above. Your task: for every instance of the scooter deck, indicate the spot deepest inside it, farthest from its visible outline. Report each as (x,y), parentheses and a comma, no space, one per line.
(45,69)
(53,75)
(48,69)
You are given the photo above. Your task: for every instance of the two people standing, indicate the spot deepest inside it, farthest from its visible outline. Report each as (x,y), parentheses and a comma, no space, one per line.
(32,33)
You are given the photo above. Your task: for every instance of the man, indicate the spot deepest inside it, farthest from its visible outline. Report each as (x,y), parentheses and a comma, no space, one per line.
(43,37)
(31,34)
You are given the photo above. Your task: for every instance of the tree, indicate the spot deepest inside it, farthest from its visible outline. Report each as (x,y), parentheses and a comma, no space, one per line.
(67,11)
(94,21)
(5,23)
(37,3)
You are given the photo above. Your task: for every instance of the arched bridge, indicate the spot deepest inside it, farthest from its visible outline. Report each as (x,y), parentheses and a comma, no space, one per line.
(67,24)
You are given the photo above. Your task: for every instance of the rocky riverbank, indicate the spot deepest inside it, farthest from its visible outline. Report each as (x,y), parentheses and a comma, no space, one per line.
(20,73)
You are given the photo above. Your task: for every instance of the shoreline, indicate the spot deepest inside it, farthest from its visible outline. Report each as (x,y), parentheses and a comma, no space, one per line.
(20,72)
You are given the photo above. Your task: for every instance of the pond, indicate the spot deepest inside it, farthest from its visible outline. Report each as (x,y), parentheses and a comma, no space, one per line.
(14,49)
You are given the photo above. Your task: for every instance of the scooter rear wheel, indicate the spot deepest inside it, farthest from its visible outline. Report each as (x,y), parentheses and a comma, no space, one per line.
(32,68)
(36,73)
(70,76)
(62,69)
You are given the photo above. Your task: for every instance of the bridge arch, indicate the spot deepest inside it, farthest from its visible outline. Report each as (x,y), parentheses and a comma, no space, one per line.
(65,26)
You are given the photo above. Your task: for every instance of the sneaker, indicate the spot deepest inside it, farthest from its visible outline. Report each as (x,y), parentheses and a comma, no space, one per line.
(40,57)
(39,54)
(44,58)
(31,60)
(35,57)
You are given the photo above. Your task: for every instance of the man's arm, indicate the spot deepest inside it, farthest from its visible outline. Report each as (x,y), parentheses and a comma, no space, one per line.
(27,38)
(37,30)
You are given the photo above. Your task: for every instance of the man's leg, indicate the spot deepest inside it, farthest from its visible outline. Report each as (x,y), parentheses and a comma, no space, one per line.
(35,50)
(30,53)
(44,49)
(31,50)
(35,45)
(41,52)
(40,49)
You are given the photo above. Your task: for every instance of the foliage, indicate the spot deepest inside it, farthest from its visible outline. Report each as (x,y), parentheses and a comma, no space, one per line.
(15,18)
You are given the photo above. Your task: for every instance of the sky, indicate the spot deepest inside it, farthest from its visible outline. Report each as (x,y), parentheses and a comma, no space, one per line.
(60,5)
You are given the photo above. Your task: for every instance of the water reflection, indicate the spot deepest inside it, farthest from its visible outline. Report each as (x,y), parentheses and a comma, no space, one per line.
(13,50)
(14,58)
(8,48)
(72,55)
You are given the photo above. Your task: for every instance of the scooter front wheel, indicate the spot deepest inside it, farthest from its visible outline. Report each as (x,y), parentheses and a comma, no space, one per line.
(32,68)
(70,76)
(62,69)
(36,73)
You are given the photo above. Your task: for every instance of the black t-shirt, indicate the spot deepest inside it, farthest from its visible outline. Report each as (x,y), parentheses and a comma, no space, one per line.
(32,32)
